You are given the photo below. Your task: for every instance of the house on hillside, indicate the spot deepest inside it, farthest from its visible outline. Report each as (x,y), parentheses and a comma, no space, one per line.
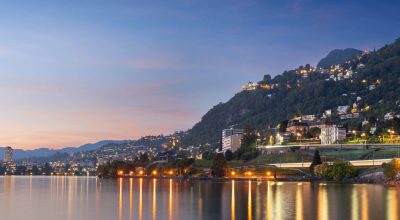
(250,86)
(343,109)
(331,134)
(297,127)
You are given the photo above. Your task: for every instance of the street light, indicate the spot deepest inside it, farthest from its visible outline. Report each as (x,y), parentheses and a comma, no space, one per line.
(299,135)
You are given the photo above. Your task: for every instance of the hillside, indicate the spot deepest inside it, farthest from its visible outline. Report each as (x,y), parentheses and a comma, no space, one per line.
(370,81)
(337,57)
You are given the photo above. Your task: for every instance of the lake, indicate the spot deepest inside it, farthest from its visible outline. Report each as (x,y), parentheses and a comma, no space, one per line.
(85,198)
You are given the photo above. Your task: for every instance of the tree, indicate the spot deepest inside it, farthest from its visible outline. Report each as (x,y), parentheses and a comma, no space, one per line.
(35,170)
(143,158)
(314,132)
(283,126)
(66,168)
(2,170)
(271,140)
(229,155)
(219,166)
(47,169)
(208,155)
(20,170)
(321,170)
(316,161)
(341,169)
(249,138)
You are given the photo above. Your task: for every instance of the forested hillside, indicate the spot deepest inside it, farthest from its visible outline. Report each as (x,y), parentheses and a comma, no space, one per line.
(370,81)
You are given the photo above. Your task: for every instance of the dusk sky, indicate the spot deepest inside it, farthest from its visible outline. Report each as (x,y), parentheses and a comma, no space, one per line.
(75,72)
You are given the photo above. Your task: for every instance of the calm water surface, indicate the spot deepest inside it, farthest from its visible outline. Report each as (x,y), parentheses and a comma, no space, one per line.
(85,198)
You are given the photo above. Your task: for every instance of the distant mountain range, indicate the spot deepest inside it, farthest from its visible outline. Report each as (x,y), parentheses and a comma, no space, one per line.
(46,152)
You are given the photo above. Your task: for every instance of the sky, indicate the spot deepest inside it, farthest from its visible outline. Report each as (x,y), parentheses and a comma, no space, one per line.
(76,72)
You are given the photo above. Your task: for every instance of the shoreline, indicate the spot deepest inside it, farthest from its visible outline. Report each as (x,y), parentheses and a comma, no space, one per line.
(391,183)
(264,179)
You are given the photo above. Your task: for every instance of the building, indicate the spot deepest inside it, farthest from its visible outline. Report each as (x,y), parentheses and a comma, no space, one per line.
(330,134)
(343,109)
(308,117)
(250,86)
(231,139)
(388,116)
(8,155)
(297,127)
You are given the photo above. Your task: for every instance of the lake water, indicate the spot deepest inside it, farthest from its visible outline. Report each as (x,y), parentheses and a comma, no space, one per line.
(85,198)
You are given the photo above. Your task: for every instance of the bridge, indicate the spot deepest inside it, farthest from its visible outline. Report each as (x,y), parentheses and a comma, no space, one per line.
(357,163)
(371,161)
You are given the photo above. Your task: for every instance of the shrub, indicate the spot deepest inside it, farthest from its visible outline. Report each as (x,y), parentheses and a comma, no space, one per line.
(391,169)
(341,169)
(321,170)
(219,166)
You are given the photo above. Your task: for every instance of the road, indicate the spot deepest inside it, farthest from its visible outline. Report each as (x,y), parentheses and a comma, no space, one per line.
(272,147)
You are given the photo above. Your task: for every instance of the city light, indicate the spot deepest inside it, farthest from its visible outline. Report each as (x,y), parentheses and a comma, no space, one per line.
(120,172)
(268,173)
(233,173)
(141,172)
(171,172)
(363,134)
(154,172)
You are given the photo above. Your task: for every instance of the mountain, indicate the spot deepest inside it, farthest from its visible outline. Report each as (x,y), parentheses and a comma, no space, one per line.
(338,56)
(371,81)
(46,152)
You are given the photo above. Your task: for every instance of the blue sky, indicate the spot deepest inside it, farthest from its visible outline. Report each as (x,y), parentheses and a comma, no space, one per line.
(73,72)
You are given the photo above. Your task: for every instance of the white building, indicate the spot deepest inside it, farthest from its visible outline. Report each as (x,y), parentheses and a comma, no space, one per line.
(308,117)
(388,116)
(330,134)
(250,86)
(231,139)
(343,109)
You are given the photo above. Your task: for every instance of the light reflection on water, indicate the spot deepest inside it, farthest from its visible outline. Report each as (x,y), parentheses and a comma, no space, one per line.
(79,198)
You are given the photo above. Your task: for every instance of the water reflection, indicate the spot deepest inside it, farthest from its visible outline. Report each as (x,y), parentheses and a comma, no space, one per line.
(154,199)
(140,198)
(364,204)
(322,202)
(299,203)
(355,208)
(170,200)
(80,198)
(233,201)
(392,200)
(130,197)
(249,211)
(120,199)
(269,200)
